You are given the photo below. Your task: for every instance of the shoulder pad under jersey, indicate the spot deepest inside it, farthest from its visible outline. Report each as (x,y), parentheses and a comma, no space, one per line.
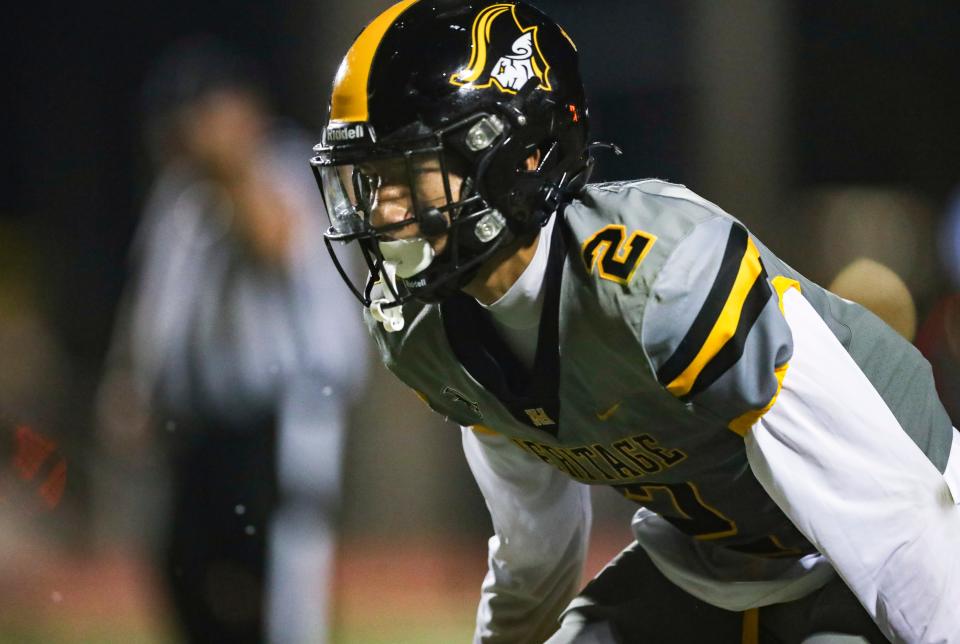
(689,279)
(713,328)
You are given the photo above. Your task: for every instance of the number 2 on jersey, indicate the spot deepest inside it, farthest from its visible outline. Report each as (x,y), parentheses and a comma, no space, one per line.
(616,257)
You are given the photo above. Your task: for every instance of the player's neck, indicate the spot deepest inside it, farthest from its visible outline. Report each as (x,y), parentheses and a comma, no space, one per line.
(501,272)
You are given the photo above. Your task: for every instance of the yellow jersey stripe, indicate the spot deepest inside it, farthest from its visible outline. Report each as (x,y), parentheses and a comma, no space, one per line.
(781,285)
(726,325)
(751,626)
(349,102)
(742,424)
(422,396)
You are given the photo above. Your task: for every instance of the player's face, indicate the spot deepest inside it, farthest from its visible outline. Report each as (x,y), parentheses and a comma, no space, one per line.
(395,189)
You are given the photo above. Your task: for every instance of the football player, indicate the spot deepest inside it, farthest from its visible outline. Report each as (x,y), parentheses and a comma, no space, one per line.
(786,448)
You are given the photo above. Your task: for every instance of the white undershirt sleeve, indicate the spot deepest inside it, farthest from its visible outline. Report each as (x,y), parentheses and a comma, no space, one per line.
(834,458)
(541,521)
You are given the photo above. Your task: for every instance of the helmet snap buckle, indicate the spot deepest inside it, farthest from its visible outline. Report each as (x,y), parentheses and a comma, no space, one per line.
(489,226)
(482,135)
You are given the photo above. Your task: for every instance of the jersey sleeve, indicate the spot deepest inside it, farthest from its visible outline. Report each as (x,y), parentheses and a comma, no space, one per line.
(713,329)
(541,520)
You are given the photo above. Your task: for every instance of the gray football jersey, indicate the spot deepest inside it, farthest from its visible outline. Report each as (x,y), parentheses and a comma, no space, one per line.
(662,340)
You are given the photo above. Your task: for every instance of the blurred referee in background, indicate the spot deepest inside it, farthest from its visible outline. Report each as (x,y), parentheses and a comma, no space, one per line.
(231,341)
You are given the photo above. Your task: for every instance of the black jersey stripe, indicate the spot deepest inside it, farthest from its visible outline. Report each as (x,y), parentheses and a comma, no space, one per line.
(732,351)
(698,333)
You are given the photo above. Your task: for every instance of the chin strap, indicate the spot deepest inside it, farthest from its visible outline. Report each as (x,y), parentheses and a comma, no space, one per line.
(384,307)
(603,145)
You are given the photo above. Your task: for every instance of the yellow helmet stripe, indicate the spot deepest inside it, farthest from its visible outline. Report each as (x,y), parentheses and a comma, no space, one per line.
(349,102)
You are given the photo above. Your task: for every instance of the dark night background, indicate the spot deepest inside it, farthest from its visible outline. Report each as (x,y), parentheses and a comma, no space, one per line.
(874,97)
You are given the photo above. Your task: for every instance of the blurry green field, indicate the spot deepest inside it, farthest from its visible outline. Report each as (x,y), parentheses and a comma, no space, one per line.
(424,634)
(386,593)
(421,629)
(416,594)
(427,632)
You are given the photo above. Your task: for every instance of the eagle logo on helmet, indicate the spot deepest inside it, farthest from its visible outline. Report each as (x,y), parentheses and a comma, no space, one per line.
(505,54)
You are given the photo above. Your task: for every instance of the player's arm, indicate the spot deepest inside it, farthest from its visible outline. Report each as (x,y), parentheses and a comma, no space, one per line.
(836,460)
(726,338)
(541,521)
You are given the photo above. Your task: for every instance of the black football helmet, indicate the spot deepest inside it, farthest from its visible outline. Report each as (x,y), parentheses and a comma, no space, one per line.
(479,87)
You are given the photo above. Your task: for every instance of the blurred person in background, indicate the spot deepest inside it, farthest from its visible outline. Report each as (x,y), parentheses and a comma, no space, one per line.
(877,288)
(231,341)
(860,233)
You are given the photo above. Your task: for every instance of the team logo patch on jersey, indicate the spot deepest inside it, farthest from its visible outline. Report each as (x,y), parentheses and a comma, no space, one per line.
(505,54)
(539,417)
(607,414)
(452,394)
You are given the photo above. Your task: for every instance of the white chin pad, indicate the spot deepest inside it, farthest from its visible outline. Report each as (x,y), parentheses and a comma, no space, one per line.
(408,256)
